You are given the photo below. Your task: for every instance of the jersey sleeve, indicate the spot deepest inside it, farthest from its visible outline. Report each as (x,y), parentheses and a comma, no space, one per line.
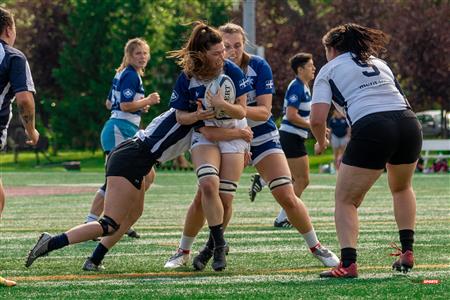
(293,96)
(180,94)
(20,75)
(240,81)
(322,90)
(128,86)
(264,81)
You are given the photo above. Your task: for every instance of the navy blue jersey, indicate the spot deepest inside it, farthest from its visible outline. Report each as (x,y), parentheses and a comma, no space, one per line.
(188,90)
(298,96)
(15,77)
(259,76)
(126,87)
(338,126)
(165,137)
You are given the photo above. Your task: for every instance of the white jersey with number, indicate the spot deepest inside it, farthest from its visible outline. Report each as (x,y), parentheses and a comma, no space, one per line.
(358,89)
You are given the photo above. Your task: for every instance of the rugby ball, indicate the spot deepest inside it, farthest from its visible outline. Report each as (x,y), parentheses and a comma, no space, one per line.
(225,85)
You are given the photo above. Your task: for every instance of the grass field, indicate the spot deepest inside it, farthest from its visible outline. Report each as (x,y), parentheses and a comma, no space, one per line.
(264,263)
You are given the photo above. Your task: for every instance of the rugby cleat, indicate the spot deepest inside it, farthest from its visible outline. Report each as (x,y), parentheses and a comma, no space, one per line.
(90,266)
(255,186)
(282,224)
(405,262)
(40,249)
(201,260)
(341,272)
(327,257)
(6,282)
(179,259)
(219,259)
(133,234)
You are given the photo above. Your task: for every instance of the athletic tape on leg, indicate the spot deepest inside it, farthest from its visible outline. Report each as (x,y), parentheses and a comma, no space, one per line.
(279,181)
(228,187)
(206,170)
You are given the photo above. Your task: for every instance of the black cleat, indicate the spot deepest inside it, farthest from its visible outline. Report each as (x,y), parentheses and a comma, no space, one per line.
(40,249)
(133,234)
(202,258)
(219,259)
(255,186)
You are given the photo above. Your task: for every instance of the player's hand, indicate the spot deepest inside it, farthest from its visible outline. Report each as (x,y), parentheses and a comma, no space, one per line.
(145,109)
(202,114)
(153,98)
(217,100)
(246,134)
(320,148)
(33,137)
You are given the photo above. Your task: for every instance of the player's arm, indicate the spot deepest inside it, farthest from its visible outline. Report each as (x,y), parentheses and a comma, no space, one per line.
(293,117)
(25,103)
(108,104)
(216,134)
(319,113)
(189,118)
(263,109)
(136,105)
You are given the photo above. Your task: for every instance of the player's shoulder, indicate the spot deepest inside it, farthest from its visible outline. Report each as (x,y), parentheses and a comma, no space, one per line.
(257,62)
(10,52)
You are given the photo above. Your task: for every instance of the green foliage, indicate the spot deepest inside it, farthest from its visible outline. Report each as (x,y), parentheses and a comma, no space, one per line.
(97,32)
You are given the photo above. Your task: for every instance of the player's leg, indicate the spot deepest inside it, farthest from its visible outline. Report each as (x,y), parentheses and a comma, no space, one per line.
(274,168)
(193,223)
(93,263)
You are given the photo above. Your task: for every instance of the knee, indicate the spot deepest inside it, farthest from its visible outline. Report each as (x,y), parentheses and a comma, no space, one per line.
(208,177)
(109,225)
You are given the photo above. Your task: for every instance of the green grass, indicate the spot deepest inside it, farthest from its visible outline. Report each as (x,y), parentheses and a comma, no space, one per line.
(264,263)
(94,161)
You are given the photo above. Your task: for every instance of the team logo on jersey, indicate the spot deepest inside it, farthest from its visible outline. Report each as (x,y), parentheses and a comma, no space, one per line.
(243,83)
(293,98)
(128,93)
(174,96)
(269,84)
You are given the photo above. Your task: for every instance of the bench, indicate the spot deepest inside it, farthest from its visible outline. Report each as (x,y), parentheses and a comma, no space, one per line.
(436,146)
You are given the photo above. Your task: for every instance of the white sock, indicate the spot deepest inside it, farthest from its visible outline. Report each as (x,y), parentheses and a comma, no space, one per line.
(186,242)
(91,218)
(263,183)
(282,216)
(311,239)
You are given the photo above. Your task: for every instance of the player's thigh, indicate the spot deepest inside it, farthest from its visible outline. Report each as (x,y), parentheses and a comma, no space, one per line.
(354,182)
(273,166)
(400,176)
(121,196)
(206,154)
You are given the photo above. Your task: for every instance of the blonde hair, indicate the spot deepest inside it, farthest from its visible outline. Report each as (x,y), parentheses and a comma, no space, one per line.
(128,50)
(232,28)
(192,57)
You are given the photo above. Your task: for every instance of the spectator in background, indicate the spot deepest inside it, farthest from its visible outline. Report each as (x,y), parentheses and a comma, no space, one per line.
(339,134)
(15,81)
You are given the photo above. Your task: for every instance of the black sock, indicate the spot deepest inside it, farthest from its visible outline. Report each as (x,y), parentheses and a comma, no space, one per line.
(348,256)
(99,253)
(57,242)
(406,239)
(217,234)
(210,242)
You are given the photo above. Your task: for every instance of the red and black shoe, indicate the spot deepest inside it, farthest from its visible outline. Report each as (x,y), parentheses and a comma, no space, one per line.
(405,262)
(341,272)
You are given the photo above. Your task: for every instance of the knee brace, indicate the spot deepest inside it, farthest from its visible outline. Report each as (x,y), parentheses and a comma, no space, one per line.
(228,187)
(279,181)
(107,222)
(206,170)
